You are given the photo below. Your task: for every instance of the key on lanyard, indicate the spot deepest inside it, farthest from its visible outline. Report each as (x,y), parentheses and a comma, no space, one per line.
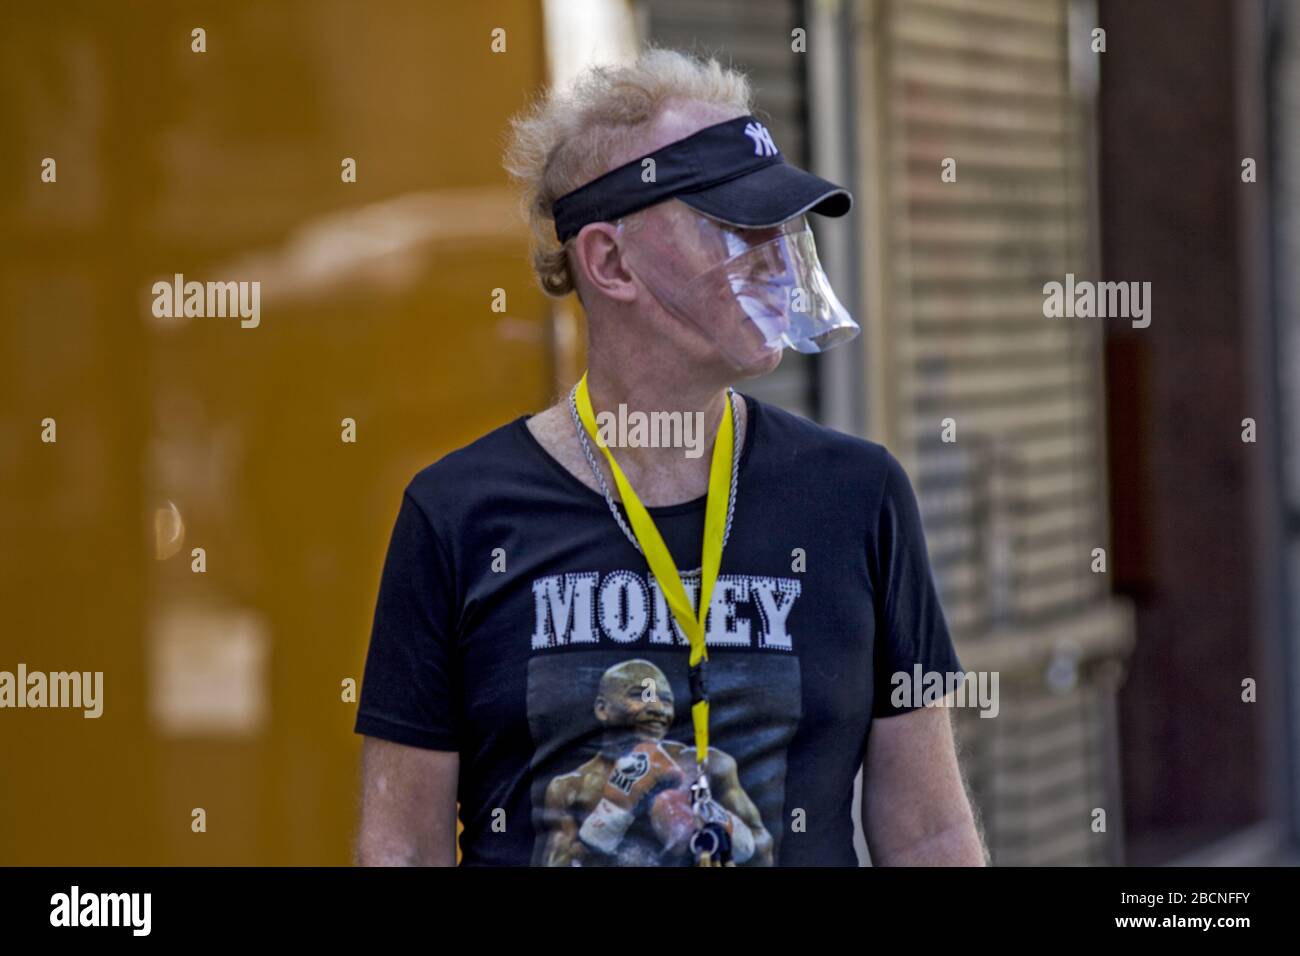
(710,844)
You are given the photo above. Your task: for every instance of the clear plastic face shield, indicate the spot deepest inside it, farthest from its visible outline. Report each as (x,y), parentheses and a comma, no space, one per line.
(752,291)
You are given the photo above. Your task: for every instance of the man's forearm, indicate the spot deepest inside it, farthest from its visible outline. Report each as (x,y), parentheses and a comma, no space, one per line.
(373,851)
(957,845)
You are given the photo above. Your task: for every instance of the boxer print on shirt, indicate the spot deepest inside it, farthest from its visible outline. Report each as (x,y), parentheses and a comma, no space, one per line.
(615,789)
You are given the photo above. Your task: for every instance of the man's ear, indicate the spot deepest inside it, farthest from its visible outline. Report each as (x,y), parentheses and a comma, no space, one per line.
(596,253)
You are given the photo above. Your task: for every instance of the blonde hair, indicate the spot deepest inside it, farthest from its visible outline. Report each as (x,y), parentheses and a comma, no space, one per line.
(569,137)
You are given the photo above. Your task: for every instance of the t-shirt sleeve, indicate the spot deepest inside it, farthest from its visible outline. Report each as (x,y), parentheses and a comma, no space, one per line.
(410,692)
(910,625)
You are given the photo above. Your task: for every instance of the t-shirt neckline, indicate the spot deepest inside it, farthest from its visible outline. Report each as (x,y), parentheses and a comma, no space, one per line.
(752,416)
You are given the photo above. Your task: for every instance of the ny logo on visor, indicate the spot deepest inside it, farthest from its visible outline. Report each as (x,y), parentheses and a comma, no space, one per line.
(763,145)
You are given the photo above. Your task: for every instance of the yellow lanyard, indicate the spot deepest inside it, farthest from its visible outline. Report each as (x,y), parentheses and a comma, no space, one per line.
(661,561)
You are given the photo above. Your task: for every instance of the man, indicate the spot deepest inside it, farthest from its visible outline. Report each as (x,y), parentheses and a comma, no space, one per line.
(783,578)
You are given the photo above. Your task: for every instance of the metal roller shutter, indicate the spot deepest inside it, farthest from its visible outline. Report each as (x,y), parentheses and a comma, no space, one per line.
(1013,507)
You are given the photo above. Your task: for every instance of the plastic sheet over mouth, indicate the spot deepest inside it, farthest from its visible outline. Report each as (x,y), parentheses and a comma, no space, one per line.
(780,286)
(751,291)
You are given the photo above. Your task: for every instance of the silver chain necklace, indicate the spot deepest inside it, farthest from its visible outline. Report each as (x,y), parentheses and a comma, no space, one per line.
(609,499)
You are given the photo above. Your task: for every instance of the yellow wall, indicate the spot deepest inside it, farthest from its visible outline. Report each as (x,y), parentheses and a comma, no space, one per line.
(222,689)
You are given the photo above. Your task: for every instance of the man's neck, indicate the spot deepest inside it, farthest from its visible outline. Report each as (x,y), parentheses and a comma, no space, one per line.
(648,395)
(659,475)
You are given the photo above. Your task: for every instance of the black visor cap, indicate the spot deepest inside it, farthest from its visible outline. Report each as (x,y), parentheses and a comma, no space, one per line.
(769,196)
(731,171)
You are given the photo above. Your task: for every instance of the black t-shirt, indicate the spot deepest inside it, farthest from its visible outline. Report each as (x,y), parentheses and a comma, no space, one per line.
(517,625)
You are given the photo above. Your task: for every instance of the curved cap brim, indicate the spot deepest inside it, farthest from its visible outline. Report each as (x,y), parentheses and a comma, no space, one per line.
(769,196)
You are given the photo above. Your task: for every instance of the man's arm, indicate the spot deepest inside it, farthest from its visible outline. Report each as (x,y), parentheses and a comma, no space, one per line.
(914,806)
(408,805)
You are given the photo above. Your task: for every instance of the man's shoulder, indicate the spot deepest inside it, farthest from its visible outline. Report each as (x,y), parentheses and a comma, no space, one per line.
(469,468)
(799,441)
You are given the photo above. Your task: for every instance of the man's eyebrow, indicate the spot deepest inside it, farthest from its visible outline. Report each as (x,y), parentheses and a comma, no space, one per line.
(760,232)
